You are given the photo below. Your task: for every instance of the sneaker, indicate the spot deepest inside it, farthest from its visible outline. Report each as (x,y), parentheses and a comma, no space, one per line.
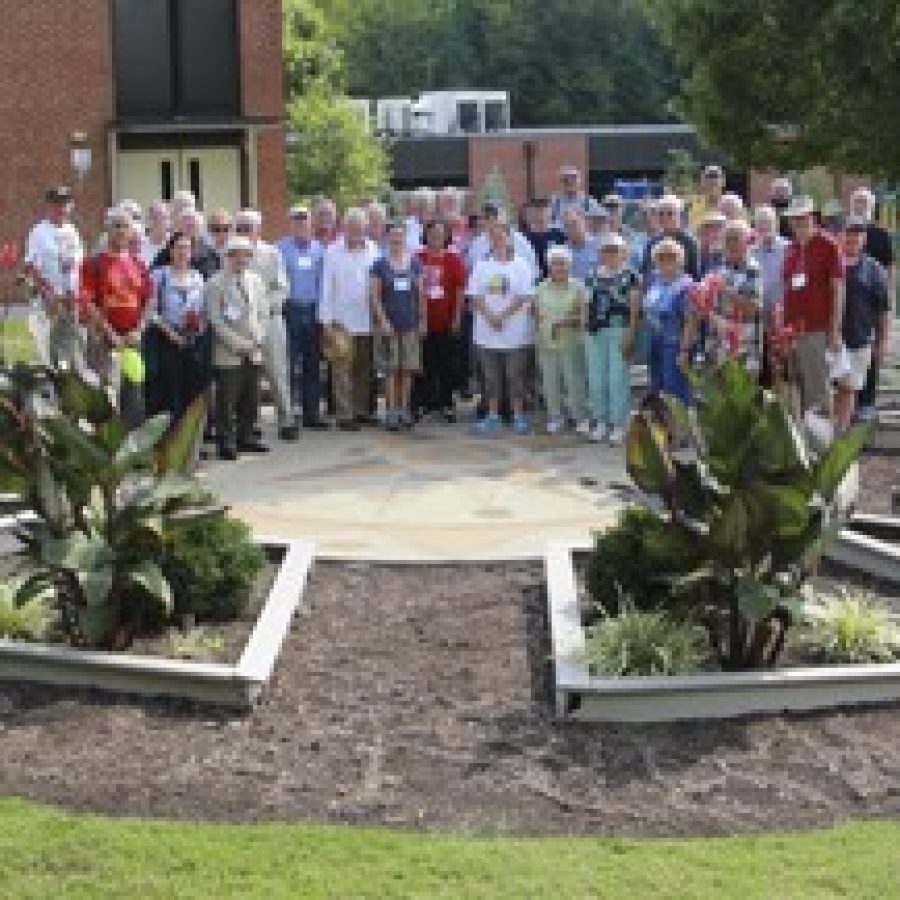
(598,435)
(487,426)
(617,437)
(554,425)
(583,428)
(521,424)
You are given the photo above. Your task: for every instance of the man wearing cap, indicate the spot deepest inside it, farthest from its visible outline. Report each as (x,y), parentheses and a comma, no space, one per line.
(712,187)
(866,318)
(711,242)
(813,303)
(669,209)
(52,270)
(880,247)
(570,197)
(268,264)
(597,220)
(303,258)
(114,297)
(780,192)
(238,307)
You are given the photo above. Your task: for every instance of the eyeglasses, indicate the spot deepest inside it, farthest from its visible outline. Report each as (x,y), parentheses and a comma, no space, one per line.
(667,212)
(243,229)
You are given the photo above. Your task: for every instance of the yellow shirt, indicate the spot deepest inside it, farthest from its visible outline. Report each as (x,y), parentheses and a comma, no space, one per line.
(555,303)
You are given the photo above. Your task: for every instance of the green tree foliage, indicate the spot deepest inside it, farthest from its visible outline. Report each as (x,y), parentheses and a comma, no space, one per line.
(563,61)
(822,73)
(331,151)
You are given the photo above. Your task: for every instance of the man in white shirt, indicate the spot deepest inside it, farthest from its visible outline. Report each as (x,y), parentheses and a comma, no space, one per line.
(502,291)
(53,258)
(480,247)
(269,265)
(345,313)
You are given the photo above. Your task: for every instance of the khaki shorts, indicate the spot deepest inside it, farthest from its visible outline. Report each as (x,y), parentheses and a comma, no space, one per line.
(398,352)
(858,362)
(811,367)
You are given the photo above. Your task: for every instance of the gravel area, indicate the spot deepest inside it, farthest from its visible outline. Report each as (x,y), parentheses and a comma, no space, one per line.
(421,698)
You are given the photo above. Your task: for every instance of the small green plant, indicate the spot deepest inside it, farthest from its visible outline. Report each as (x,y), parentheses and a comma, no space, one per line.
(850,630)
(638,642)
(627,568)
(28,621)
(197,644)
(211,566)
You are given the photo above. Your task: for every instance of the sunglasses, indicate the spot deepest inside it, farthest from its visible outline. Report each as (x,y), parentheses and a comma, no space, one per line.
(219,229)
(243,229)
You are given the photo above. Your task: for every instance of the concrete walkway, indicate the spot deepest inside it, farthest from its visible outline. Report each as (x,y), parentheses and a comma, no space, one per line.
(434,494)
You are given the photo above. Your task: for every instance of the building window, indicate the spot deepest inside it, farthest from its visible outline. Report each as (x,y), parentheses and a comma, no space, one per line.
(176,58)
(494,115)
(165,178)
(467,116)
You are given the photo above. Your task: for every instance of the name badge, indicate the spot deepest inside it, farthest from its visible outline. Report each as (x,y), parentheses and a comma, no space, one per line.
(436,292)
(304,262)
(231,313)
(402,285)
(798,281)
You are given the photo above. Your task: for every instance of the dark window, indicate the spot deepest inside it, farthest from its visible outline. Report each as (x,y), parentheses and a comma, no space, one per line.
(494,115)
(194,181)
(165,175)
(176,58)
(467,117)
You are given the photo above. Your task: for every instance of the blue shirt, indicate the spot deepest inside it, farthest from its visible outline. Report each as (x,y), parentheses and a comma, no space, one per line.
(399,292)
(665,308)
(303,262)
(584,258)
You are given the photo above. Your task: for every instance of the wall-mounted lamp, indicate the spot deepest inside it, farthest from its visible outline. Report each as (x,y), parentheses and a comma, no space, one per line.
(80,156)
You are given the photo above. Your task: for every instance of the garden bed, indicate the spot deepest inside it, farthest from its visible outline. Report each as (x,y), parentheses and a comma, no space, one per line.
(421,697)
(583,696)
(233,660)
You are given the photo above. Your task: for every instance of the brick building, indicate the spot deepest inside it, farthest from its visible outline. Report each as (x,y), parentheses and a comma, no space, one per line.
(165,94)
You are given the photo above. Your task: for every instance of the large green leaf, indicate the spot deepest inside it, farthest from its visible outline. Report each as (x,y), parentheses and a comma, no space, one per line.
(52,497)
(178,451)
(148,576)
(74,445)
(96,623)
(842,453)
(168,492)
(80,400)
(138,447)
(756,599)
(647,457)
(728,532)
(76,551)
(778,445)
(95,584)
(787,508)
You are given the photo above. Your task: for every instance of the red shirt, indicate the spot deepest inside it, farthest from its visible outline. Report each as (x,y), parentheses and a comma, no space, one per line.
(118,284)
(444,275)
(808,274)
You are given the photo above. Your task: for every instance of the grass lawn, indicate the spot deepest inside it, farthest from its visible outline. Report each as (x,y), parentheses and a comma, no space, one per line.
(45,853)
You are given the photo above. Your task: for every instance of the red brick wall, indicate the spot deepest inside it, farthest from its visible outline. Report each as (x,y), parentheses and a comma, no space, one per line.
(56,77)
(262,85)
(507,154)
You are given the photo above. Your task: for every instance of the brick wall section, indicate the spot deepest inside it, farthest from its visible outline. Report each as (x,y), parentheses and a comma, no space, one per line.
(507,154)
(56,72)
(262,86)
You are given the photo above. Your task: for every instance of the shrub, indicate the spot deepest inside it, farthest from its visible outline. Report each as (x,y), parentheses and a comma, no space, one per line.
(26,621)
(746,501)
(625,567)
(637,642)
(211,566)
(101,496)
(852,629)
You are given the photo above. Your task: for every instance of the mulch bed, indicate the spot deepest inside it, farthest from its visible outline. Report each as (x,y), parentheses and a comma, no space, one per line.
(879,474)
(421,698)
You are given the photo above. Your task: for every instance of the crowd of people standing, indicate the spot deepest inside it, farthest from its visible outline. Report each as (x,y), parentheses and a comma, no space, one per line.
(538,316)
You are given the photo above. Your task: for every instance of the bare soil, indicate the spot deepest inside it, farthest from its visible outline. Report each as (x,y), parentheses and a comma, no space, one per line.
(421,698)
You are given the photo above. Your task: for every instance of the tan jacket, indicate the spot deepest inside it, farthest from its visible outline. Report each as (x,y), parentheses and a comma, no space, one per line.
(238,318)
(269,265)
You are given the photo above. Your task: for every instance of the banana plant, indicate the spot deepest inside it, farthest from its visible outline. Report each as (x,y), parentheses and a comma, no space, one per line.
(102,497)
(749,499)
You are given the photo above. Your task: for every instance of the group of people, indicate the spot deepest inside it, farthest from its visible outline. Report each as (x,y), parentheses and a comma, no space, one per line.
(545,313)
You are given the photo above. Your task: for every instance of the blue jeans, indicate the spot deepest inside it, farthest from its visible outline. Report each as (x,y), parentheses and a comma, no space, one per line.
(304,356)
(609,377)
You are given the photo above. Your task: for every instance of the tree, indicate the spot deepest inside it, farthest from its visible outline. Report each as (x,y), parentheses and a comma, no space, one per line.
(331,150)
(790,84)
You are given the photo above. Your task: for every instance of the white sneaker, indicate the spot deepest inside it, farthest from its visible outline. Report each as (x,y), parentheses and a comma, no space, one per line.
(616,437)
(583,428)
(554,426)
(598,435)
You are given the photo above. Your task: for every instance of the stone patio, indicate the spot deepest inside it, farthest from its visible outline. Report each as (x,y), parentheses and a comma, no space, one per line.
(436,494)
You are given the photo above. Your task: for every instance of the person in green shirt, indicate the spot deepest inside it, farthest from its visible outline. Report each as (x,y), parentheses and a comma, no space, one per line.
(560,344)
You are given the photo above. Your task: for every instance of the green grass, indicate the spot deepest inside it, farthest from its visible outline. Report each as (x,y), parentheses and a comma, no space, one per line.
(45,853)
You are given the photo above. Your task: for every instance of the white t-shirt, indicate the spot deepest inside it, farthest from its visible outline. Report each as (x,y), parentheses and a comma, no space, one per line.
(56,253)
(500,284)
